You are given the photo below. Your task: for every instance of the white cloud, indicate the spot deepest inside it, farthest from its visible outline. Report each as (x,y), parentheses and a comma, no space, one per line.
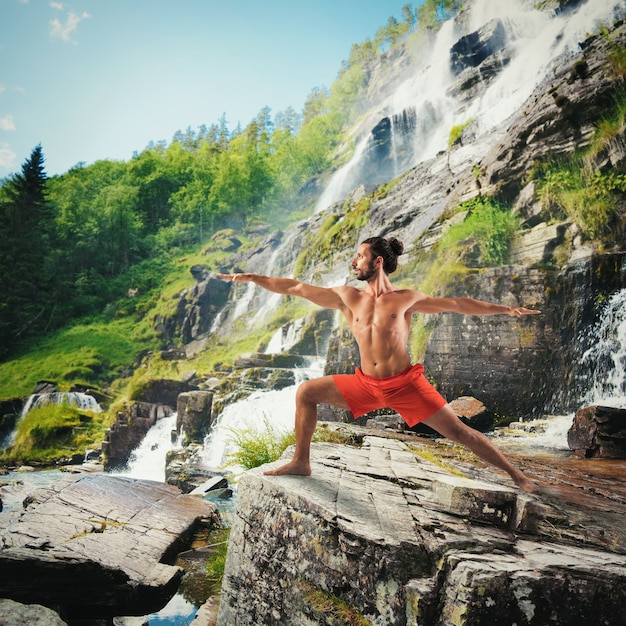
(55,5)
(7,123)
(7,156)
(65,32)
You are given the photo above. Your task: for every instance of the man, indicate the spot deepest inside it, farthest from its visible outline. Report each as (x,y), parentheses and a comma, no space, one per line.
(380,318)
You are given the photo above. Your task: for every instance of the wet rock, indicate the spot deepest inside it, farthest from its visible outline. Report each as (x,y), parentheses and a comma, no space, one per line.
(598,432)
(128,431)
(193,414)
(395,539)
(186,470)
(98,545)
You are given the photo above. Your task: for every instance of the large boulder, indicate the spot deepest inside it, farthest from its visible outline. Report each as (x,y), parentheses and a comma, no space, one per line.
(378,535)
(193,414)
(598,432)
(98,545)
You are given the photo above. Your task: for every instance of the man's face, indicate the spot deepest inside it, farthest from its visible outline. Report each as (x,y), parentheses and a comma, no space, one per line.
(363,264)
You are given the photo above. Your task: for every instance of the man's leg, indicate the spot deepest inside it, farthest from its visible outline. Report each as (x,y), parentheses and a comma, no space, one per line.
(309,394)
(446,422)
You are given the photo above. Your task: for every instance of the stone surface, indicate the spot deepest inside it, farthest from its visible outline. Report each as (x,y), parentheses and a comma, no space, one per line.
(97,545)
(193,414)
(384,536)
(14,614)
(599,432)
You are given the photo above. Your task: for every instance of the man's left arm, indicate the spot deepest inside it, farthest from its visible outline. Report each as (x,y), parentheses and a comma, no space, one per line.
(468,306)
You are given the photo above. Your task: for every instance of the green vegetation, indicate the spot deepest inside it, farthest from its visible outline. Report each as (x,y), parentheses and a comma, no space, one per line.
(591,200)
(435,459)
(575,189)
(484,237)
(333,609)
(257,446)
(89,353)
(456,132)
(51,432)
(433,12)
(216,562)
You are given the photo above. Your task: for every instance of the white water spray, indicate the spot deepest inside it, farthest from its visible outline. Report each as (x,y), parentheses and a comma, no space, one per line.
(82,401)
(605,360)
(605,365)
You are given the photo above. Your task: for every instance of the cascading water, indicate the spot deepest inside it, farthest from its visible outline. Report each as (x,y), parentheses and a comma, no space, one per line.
(413,124)
(148,459)
(273,408)
(604,363)
(83,401)
(602,367)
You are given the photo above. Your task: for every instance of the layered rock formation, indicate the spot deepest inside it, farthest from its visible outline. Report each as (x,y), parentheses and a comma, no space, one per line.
(379,535)
(96,546)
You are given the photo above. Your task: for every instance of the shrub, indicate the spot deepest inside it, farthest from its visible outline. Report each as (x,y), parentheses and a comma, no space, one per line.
(258,446)
(590,200)
(487,227)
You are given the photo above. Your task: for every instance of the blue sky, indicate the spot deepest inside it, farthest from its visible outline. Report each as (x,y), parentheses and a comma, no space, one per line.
(98,79)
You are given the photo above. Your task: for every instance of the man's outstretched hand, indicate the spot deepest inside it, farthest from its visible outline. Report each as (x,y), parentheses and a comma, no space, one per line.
(235,278)
(518,311)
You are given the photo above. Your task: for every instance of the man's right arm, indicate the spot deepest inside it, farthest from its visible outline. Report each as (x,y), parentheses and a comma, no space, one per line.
(322,296)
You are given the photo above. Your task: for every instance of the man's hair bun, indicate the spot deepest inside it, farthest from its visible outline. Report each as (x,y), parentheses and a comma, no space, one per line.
(396,245)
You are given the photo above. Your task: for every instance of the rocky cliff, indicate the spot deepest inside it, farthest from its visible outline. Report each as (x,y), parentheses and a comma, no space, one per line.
(380,535)
(553,266)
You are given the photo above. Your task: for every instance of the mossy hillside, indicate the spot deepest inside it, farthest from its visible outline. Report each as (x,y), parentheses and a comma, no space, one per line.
(46,434)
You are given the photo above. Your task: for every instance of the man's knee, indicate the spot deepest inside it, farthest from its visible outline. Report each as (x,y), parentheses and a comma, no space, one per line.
(319,390)
(307,392)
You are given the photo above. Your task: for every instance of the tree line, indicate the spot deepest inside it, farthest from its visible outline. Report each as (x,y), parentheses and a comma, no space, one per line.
(71,243)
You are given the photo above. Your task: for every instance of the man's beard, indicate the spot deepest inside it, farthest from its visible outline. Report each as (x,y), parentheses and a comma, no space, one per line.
(368,273)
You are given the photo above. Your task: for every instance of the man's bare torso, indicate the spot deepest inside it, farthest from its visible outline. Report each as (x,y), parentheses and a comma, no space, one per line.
(381,326)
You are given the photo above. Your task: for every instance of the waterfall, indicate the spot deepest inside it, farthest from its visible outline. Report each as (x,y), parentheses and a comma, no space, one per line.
(602,366)
(83,401)
(285,337)
(148,459)
(274,408)
(604,362)
(533,43)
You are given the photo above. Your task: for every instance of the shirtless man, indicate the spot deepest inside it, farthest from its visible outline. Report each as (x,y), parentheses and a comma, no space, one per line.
(380,318)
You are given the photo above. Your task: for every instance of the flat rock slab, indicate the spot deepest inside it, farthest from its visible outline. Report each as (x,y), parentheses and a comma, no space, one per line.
(380,535)
(97,545)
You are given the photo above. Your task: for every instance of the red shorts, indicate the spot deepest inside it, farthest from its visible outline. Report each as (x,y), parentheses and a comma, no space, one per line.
(407,393)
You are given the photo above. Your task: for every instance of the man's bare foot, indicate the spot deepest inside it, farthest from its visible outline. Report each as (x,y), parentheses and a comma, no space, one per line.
(293,468)
(527,485)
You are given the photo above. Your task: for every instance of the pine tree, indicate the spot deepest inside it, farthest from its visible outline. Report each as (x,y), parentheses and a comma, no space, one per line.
(26,229)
